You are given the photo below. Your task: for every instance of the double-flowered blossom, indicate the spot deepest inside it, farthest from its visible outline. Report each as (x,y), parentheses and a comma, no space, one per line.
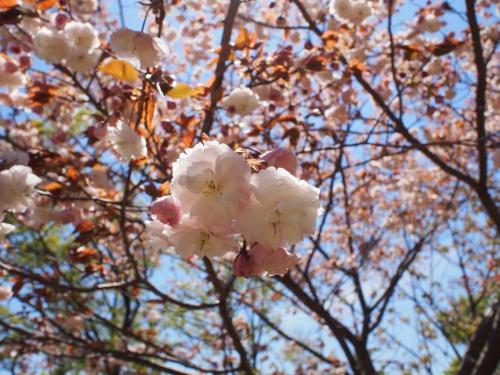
(10,75)
(135,45)
(241,101)
(83,7)
(17,185)
(50,45)
(73,43)
(126,141)
(354,11)
(192,237)
(282,211)
(217,205)
(210,181)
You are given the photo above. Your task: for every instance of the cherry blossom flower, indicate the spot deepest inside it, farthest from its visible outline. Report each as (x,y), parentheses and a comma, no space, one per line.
(51,45)
(351,11)
(157,234)
(17,184)
(83,61)
(283,210)
(82,37)
(10,76)
(191,237)
(210,181)
(83,7)
(260,260)
(430,23)
(242,101)
(281,158)
(126,141)
(10,156)
(130,44)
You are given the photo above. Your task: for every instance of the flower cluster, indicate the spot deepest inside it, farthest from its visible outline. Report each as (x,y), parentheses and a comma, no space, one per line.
(353,11)
(72,43)
(216,202)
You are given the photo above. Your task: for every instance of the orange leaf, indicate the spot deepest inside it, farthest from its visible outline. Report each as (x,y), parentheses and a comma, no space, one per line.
(146,108)
(330,39)
(7,4)
(187,138)
(53,187)
(357,65)
(85,226)
(42,4)
(72,173)
(244,39)
(40,94)
(165,188)
(83,254)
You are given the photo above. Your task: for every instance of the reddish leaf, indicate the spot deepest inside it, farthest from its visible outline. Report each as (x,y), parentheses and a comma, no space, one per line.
(85,226)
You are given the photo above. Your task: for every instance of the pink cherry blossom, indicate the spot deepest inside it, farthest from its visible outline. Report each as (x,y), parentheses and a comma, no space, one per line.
(281,158)
(262,260)
(210,181)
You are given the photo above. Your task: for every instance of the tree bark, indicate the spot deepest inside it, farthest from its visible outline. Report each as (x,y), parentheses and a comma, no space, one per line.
(483,354)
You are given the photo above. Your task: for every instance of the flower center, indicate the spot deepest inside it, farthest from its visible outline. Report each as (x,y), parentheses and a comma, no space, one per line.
(211,188)
(203,240)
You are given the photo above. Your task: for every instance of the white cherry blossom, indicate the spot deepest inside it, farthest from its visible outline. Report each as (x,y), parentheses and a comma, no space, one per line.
(136,45)
(51,45)
(126,141)
(284,209)
(17,185)
(210,181)
(242,101)
(191,237)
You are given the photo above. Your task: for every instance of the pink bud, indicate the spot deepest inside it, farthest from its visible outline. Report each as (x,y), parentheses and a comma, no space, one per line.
(25,61)
(9,67)
(281,158)
(15,49)
(167,210)
(61,20)
(243,265)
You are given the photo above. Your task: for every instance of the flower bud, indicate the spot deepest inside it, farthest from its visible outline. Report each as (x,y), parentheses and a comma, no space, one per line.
(167,210)
(281,158)
(61,20)
(9,67)
(243,265)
